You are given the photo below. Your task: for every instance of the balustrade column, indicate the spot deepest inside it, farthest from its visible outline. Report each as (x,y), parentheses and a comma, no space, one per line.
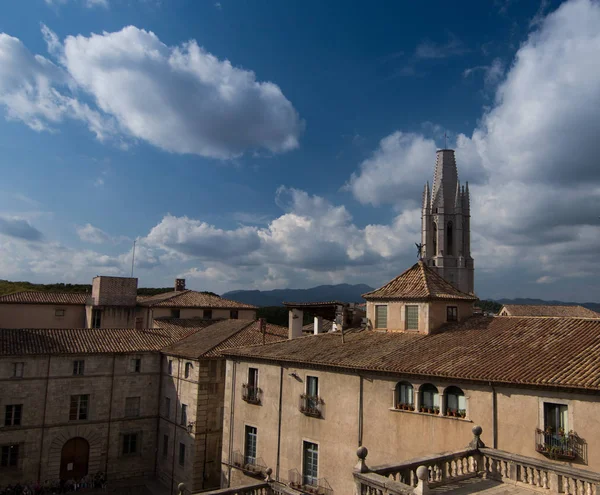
(417,397)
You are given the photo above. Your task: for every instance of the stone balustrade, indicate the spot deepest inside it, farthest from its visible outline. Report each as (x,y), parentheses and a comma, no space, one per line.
(254,489)
(538,474)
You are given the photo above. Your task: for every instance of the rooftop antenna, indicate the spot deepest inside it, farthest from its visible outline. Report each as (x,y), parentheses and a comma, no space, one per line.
(133,258)
(445,141)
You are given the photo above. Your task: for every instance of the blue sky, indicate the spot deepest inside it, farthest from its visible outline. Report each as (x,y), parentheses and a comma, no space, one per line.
(285,144)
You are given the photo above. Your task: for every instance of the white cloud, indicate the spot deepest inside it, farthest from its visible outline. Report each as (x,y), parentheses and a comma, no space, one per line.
(88,3)
(95,235)
(181,99)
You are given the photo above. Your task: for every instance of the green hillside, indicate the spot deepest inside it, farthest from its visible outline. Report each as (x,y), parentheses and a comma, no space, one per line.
(8,287)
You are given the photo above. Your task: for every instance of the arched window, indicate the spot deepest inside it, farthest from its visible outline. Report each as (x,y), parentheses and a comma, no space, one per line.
(449,243)
(188,369)
(405,396)
(430,399)
(456,405)
(434,239)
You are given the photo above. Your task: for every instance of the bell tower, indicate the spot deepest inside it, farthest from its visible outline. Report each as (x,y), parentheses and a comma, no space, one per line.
(446,224)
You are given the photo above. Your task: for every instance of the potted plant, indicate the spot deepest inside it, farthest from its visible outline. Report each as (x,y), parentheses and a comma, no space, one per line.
(423,409)
(436,410)
(462,413)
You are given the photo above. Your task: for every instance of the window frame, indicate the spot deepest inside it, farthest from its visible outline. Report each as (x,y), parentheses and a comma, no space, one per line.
(78,399)
(181,456)
(135,365)
(96,318)
(78,367)
(234,314)
(18,369)
(126,443)
(12,461)
(456,393)
(253,437)
(398,402)
(449,309)
(168,407)
(377,322)
(183,419)
(170,367)
(132,410)
(207,314)
(175,313)
(165,449)
(429,388)
(313,479)
(407,321)
(13,414)
(187,369)
(59,312)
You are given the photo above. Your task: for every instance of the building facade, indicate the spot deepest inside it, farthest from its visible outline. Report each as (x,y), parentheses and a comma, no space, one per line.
(446,225)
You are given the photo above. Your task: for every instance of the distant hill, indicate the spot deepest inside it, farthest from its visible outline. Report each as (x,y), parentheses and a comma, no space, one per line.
(8,287)
(340,292)
(588,305)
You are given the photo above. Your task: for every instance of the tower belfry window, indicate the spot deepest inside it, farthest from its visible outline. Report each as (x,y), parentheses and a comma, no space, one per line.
(434,239)
(449,240)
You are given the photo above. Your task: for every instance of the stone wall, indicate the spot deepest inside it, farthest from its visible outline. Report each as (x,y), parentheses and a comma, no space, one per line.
(42,316)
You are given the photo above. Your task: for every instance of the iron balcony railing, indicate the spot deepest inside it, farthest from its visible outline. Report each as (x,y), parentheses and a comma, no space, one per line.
(311,405)
(308,485)
(251,394)
(557,444)
(253,466)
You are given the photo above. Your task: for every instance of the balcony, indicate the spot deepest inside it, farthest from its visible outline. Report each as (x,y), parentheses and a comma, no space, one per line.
(472,470)
(251,466)
(311,405)
(558,445)
(251,394)
(316,487)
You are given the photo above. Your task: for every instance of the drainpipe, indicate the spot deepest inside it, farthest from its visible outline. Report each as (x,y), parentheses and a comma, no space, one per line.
(175,422)
(232,403)
(160,380)
(494,417)
(279,425)
(110,401)
(360,411)
(39,474)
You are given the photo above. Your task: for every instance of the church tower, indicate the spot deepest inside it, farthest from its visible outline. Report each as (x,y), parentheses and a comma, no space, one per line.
(446,224)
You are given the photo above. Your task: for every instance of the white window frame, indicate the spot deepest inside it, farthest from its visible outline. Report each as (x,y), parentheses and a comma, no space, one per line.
(377,325)
(307,440)
(406,316)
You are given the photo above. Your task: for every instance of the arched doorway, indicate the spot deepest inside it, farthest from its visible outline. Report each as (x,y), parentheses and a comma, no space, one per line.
(74,459)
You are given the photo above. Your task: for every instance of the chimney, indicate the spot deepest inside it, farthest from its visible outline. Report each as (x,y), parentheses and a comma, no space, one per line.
(179,284)
(295,323)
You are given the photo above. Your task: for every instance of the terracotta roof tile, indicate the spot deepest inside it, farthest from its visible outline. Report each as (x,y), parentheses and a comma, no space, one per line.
(18,342)
(35,297)
(419,282)
(225,334)
(191,299)
(310,328)
(557,352)
(549,310)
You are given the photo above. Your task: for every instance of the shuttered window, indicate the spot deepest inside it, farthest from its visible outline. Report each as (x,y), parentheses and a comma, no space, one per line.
(412,317)
(381,316)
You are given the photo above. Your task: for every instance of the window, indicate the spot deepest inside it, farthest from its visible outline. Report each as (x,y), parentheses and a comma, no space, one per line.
(405,396)
(181,454)
(79,407)
(434,238)
(170,367)
(12,415)
(96,318)
(136,365)
(451,313)
(233,314)
(430,400)
(132,406)
(165,451)
(212,368)
(18,370)
(175,313)
(310,471)
(188,369)
(130,443)
(412,317)
(208,314)
(250,446)
(449,243)
(556,417)
(10,455)
(381,316)
(78,367)
(183,414)
(167,407)
(310,403)
(456,404)
(139,322)
(312,388)
(59,312)
(250,390)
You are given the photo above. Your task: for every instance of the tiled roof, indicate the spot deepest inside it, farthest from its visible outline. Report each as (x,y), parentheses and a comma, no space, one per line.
(418,282)
(181,324)
(548,310)
(315,304)
(310,328)
(556,352)
(20,342)
(191,299)
(225,334)
(33,297)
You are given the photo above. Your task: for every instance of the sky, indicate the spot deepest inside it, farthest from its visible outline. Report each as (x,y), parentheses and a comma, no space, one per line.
(268,144)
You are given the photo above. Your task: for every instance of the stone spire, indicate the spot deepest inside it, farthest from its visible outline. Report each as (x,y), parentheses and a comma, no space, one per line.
(445,227)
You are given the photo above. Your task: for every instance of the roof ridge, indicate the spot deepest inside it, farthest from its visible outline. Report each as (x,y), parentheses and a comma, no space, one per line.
(424,275)
(230,336)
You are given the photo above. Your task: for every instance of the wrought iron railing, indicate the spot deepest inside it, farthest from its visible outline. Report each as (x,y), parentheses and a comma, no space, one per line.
(557,445)
(311,405)
(251,394)
(307,485)
(253,466)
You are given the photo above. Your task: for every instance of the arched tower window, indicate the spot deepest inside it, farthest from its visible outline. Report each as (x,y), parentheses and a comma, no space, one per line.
(449,240)
(434,239)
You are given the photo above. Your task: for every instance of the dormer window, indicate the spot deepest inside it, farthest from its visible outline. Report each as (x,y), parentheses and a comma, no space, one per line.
(381,316)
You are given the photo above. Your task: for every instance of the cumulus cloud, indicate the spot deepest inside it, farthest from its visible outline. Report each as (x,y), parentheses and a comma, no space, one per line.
(88,3)
(19,229)
(532,160)
(181,99)
(89,233)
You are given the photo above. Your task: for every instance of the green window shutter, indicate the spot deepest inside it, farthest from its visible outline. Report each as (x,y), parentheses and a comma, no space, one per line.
(381,316)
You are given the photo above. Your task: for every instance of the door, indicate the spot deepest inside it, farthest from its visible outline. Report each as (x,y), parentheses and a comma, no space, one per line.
(74,459)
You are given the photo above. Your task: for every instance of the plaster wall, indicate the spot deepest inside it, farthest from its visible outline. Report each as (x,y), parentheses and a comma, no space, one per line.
(41,316)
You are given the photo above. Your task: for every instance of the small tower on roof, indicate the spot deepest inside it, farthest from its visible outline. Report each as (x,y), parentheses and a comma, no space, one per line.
(446,225)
